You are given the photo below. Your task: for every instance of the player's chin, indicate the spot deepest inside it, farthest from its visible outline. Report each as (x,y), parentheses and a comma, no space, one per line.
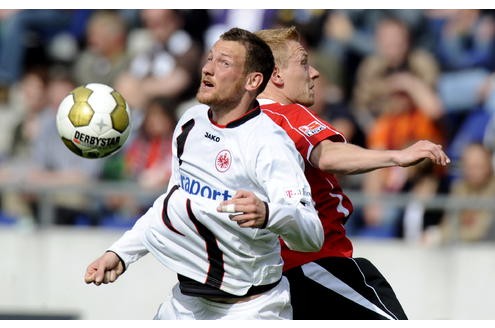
(204,99)
(307,101)
(205,95)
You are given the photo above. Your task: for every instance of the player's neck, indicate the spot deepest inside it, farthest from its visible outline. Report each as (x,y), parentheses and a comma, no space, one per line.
(274,95)
(222,115)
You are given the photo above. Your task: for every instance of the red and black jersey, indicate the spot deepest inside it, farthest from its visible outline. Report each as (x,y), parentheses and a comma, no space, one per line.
(307,130)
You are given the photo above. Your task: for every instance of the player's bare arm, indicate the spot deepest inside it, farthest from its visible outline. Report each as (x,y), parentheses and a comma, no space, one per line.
(420,150)
(105,269)
(248,210)
(345,158)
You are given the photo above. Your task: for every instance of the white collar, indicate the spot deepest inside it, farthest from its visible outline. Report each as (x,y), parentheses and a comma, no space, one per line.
(266,101)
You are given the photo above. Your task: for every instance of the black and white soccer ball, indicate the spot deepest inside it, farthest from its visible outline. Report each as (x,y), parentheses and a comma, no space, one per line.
(94,120)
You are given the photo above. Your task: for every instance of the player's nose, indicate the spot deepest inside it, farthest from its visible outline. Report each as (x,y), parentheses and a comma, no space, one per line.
(313,73)
(207,68)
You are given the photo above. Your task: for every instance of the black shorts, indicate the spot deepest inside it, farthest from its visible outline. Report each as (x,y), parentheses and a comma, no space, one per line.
(342,288)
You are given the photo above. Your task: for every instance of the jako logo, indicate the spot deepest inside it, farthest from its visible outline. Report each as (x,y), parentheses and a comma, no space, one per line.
(212,137)
(195,187)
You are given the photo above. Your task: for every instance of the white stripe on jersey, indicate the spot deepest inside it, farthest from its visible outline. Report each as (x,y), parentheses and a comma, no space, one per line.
(325,278)
(340,207)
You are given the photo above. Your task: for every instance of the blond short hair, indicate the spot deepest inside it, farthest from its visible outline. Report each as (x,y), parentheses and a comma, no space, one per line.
(277,39)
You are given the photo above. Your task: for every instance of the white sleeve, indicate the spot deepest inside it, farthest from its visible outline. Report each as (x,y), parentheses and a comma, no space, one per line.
(291,213)
(129,247)
(296,226)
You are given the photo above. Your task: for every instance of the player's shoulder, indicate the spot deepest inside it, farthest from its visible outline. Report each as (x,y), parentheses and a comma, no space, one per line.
(274,105)
(264,121)
(197,108)
(290,111)
(267,126)
(273,141)
(195,111)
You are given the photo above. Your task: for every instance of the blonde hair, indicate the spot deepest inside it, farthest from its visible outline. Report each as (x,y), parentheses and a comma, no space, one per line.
(277,39)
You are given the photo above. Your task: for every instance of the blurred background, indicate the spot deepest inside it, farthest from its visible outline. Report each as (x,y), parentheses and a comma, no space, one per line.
(387,79)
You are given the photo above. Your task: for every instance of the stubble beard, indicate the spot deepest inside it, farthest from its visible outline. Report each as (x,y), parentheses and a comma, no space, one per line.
(216,101)
(308,99)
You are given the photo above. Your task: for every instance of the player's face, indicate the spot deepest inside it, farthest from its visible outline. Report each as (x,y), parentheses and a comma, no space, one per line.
(223,77)
(299,76)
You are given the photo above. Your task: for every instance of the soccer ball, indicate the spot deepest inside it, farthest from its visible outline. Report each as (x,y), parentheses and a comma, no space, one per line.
(93,120)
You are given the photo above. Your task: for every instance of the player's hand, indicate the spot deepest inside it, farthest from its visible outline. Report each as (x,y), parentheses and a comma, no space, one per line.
(248,210)
(420,150)
(107,268)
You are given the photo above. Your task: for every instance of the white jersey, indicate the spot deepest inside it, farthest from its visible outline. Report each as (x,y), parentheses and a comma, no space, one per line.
(210,164)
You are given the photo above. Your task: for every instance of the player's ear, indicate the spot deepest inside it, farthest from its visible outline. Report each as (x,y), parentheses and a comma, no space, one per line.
(253,81)
(276,78)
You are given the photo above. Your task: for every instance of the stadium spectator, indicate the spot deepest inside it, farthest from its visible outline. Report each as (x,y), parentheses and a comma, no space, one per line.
(395,65)
(145,160)
(396,104)
(32,101)
(249,19)
(169,68)
(53,166)
(331,105)
(105,56)
(347,38)
(477,182)
(148,156)
(423,183)
(30,104)
(465,48)
(22,29)
(489,135)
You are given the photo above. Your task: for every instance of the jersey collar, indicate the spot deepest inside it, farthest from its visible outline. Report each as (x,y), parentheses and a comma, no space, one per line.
(266,101)
(235,123)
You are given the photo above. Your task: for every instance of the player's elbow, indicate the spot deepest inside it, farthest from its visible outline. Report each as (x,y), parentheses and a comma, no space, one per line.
(330,165)
(313,241)
(326,158)
(317,243)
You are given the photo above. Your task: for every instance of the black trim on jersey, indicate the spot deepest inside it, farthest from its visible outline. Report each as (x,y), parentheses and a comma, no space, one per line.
(246,117)
(267,215)
(249,115)
(191,287)
(165,218)
(215,255)
(181,139)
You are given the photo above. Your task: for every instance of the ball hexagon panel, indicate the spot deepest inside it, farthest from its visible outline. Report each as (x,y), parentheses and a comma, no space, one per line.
(119,115)
(81,111)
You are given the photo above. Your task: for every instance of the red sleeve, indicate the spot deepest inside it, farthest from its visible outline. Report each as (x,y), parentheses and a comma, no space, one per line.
(303,126)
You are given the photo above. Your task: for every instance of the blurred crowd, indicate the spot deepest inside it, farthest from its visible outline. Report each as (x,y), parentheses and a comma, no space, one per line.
(387,79)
